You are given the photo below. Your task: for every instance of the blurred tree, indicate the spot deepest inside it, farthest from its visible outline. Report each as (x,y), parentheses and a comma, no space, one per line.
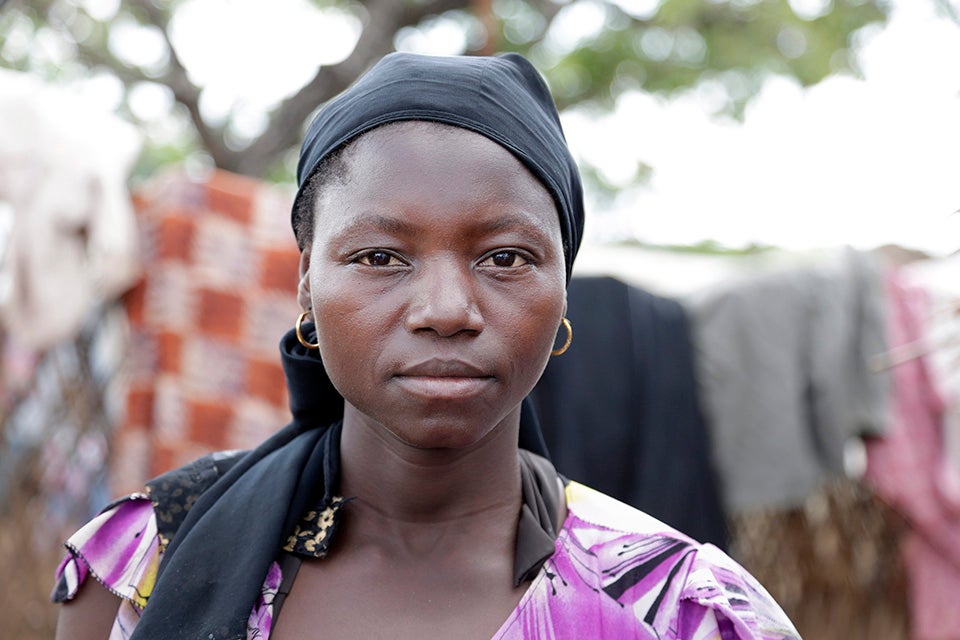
(590,50)
(949,9)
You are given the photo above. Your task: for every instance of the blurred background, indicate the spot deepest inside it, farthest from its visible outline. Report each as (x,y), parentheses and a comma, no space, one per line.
(772,193)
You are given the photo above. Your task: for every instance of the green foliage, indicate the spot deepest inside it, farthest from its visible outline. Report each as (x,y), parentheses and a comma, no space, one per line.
(687,42)
(733,44)
(158,155)
(604,190)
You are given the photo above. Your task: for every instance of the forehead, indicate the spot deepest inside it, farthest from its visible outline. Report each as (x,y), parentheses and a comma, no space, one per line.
(418,145)
(409,167)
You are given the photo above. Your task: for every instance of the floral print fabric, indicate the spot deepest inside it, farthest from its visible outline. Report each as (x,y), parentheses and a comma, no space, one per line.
(615,573)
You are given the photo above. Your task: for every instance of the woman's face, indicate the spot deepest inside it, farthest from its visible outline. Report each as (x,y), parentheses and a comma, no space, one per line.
(437,280)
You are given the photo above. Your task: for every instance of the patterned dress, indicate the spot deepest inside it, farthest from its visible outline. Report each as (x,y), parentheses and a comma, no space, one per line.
(615,573)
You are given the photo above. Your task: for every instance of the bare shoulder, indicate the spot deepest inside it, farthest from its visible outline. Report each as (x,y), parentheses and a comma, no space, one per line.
(89,615)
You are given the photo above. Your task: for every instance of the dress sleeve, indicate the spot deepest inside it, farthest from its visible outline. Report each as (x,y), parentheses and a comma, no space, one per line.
(120,548)
(720,599)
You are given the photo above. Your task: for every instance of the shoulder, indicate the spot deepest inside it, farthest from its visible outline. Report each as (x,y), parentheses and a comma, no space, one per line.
(121,547)
(174,493)
(719,585)
(604,512)
(663,577)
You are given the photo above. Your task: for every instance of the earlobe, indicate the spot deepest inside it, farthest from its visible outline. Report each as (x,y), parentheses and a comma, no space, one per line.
(303,286)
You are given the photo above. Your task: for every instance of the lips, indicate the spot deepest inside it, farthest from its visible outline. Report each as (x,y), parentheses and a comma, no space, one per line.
(443,379)
(440,368)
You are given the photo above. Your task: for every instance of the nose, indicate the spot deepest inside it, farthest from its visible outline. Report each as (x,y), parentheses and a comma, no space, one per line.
(444,299)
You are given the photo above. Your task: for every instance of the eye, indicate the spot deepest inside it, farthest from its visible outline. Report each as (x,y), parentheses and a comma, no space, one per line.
(379,258)
(504,258)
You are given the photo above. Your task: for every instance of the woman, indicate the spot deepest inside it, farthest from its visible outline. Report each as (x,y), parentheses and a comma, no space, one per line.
(438,216)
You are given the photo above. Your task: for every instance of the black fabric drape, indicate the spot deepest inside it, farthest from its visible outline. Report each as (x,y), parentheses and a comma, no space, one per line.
(620,409)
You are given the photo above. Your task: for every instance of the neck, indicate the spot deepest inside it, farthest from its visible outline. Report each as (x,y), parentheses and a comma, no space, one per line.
(406,484)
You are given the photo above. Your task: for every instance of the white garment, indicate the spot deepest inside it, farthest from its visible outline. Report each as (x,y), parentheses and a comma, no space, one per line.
(73,239)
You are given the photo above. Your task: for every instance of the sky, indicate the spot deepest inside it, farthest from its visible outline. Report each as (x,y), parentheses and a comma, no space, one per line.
(860,162)
(850,161)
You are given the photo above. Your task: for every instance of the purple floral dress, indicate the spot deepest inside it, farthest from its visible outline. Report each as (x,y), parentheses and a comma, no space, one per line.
(615,573)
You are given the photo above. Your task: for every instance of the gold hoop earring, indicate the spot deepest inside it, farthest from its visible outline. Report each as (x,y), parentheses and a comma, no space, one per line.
(566,345)
(300,337)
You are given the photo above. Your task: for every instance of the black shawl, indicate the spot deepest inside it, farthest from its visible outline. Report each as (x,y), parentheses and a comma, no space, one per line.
(213,569)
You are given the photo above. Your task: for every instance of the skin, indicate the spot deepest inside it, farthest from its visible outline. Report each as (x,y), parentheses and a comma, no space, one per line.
(89,616)
(437,283)
(436,278)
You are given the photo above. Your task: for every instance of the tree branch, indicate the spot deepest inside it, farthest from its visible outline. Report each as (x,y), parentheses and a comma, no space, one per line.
(950,10)
(184,91)
(386,17)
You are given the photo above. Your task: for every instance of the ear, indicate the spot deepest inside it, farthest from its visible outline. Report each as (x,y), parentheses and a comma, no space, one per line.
(303,286)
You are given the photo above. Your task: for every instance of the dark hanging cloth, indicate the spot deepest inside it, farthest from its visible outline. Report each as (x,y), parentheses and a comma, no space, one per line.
(620,409)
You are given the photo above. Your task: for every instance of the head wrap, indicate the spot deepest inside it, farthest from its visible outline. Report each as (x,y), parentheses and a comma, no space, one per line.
(503,98)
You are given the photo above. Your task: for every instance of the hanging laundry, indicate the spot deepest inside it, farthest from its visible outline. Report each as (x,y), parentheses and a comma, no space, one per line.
(906,466)
(940,278)
(72,241)
(219,290)
(620,409)
(783,363)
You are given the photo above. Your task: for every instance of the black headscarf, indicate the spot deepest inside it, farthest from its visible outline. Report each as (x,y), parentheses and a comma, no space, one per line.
(503,98)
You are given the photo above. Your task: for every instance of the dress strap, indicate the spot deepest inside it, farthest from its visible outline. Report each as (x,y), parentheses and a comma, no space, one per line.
(289,566)
(540,514)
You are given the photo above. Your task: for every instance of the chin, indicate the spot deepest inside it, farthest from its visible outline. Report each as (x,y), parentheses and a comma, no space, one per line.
(436,432)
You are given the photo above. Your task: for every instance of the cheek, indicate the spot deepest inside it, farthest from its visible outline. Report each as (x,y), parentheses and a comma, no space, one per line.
(349,329)
(533,326)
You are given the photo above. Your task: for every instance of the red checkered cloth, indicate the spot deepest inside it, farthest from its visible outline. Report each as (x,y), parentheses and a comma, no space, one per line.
(219,290)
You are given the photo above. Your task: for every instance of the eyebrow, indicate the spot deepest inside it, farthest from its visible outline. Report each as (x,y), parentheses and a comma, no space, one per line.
(376,222)
(506,222)
(397,226)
